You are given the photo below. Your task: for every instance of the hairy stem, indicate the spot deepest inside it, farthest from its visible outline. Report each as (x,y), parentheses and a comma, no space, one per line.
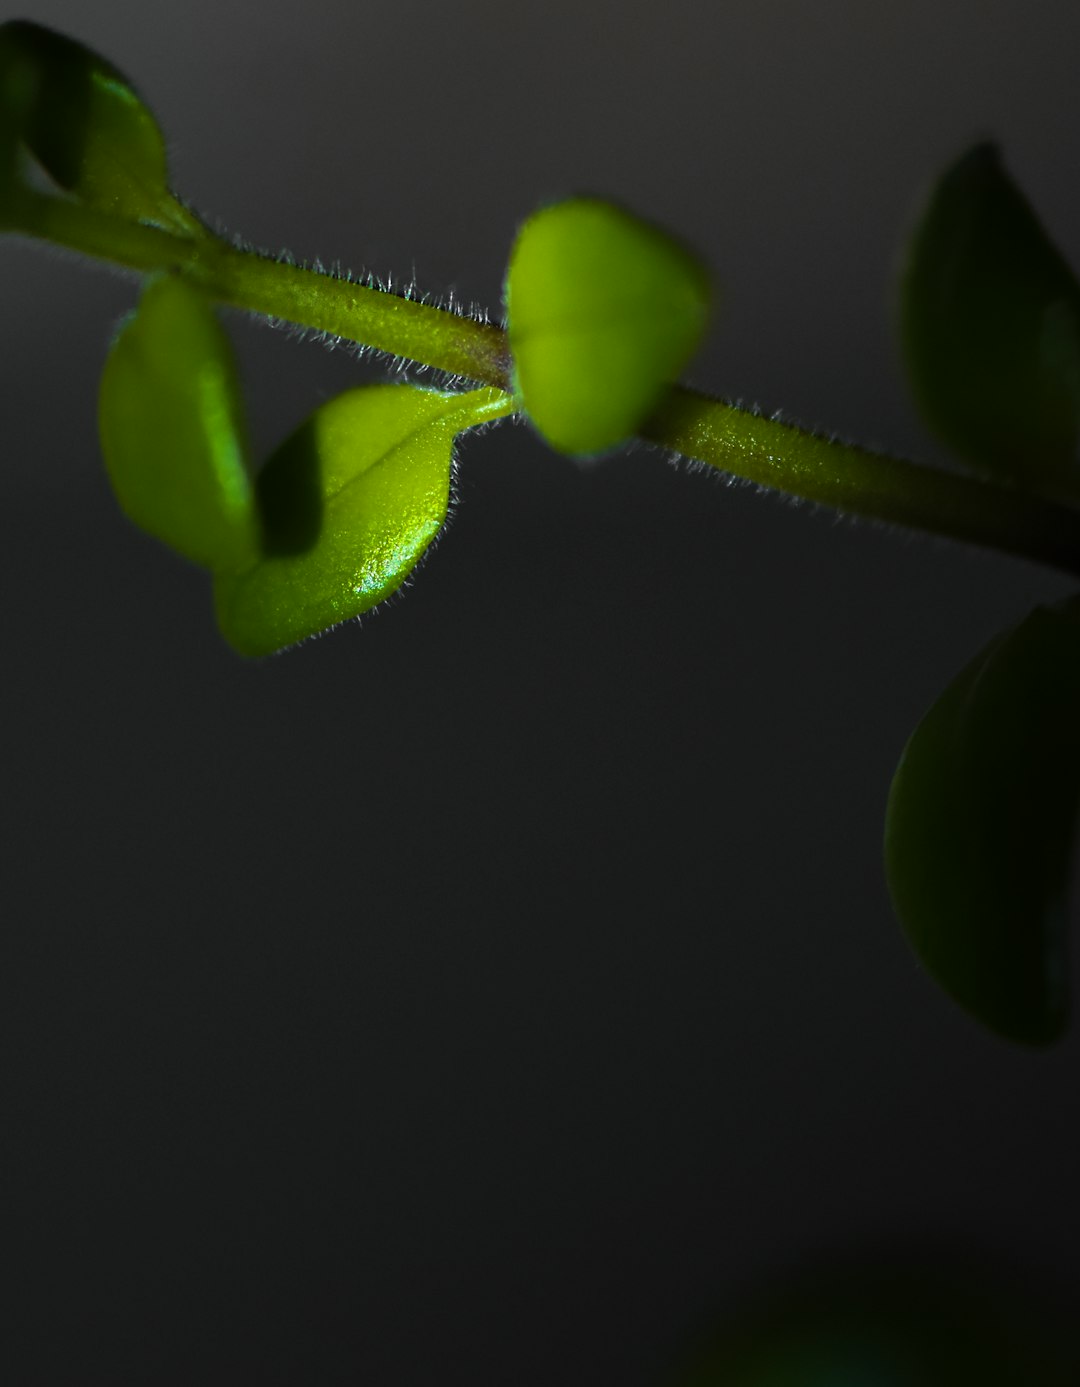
(855,480)
(256,282)
(765,451)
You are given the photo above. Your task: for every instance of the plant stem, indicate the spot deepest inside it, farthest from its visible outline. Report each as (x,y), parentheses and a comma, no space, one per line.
(855,480)
(246,279)
(417,332)
(765,451)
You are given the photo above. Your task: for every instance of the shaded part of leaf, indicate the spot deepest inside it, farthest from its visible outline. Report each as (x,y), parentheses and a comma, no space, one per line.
(172,429)
(603,310)
(373,467)
(18,89)
(990,329)
(289,492)
(87,127)
(12,108)
(9,181)
(980,828)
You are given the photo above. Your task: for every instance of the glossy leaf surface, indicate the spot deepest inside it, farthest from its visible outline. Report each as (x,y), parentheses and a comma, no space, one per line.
(990,329)
(980,827)
(351,501)
(172,429)
(82,120)
(604,311)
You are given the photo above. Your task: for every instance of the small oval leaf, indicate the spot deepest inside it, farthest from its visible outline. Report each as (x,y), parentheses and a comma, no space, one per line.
(604,311)
(84,123)
(980,827)
(172,429)
(990,329)
(350,502)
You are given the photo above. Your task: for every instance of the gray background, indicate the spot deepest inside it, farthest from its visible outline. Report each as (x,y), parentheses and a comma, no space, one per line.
(493,992)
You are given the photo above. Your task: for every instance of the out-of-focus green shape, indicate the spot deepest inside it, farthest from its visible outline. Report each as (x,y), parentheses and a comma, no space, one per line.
(16,97)
(990,329)
(83,122)
(172,429)
(9,148)
(603,312)
(350,503)
(980,828)
(876,1326)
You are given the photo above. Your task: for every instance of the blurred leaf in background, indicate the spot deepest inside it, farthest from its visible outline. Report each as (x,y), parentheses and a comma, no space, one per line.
(889,1324)
(980,827)
(990,329)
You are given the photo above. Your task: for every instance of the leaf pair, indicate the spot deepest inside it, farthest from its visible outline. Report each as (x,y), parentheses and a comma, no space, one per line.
(339,515)
(84,124)
(983,807)
(603,312)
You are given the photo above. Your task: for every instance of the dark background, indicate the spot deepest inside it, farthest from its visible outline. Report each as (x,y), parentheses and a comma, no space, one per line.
(494,992)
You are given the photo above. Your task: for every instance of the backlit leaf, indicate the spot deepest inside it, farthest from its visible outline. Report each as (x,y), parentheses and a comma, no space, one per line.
(84,123)
(990,329)
(172,429)
(604,311)
(350,502)
(980,827)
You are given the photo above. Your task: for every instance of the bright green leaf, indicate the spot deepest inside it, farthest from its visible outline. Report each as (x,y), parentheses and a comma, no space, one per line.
(82,120)
(990,329)
(172,429)
(350,501)
(980,826)
(604,311)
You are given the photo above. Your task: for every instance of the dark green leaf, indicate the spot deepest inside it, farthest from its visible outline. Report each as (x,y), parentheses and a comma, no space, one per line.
(990,329)
(980,826)
(604,311)
(172,429)
(84,123)
(16,96)
(9,149)
(350,501)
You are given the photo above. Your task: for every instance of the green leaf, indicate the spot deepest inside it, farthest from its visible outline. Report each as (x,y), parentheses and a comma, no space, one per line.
(990,329)
(350,501)
(84,123)
(172,429)
(980,826)
(16,95)
(604,311)
(9,183)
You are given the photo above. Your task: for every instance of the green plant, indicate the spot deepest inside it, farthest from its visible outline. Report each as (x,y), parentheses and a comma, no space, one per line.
(602,313)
